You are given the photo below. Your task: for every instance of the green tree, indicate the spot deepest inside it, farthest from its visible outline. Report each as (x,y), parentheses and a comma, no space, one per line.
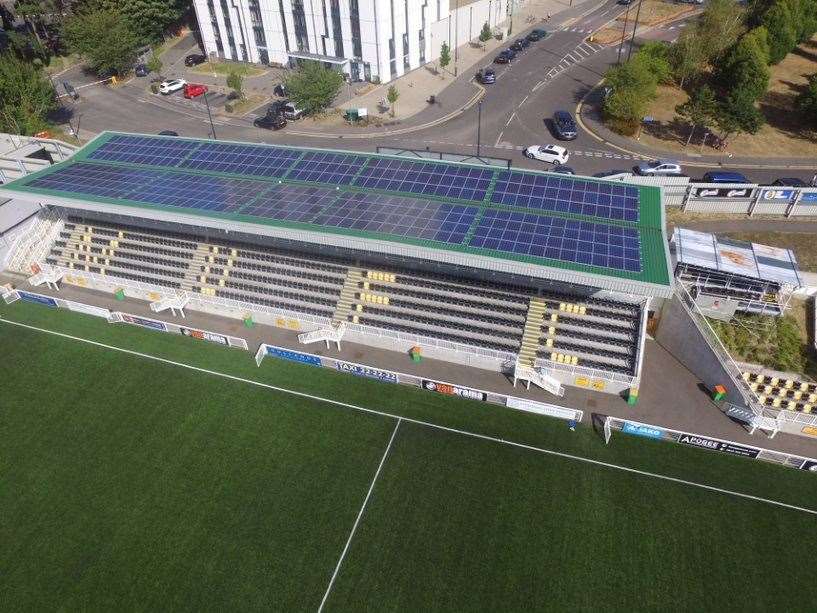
(718,27)
(236,82)
(809,25)
(699,110)
(392,97)
(485,35)
(738,114)
(445,56)
(154,64)
(313,87)
(103,39)
(686,57)
(655,58)
(783,31)
(807,100)
(633,88)
(26,97)
(148,18)
(745,68)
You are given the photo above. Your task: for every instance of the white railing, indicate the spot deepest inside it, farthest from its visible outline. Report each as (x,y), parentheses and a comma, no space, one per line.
(34,242)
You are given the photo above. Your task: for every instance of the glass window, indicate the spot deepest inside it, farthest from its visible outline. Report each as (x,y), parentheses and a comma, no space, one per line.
(354,12)
(299,19)
(283,24)
(337,31)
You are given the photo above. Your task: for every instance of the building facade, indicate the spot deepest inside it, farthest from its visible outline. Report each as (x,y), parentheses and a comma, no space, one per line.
(369,40)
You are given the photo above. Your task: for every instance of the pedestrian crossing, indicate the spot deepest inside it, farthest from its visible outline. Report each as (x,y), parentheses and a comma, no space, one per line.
(581,52)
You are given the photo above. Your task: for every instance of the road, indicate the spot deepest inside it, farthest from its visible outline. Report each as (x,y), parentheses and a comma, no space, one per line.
(514,110)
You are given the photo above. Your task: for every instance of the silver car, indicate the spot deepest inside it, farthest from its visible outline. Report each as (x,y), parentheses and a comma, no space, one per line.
(658,168)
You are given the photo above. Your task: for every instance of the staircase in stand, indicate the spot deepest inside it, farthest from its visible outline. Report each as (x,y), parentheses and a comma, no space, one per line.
(532,332)
(351,286)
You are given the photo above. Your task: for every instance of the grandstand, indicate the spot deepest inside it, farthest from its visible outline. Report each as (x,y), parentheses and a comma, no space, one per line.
(727,276)
(479,265)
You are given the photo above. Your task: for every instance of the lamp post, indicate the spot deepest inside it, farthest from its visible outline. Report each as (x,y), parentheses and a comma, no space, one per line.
(212,127)
(479,126)
(635,27)
(623,34)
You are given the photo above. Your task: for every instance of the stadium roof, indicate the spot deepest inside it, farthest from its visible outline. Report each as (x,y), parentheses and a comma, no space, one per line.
(545,225)
(736,257)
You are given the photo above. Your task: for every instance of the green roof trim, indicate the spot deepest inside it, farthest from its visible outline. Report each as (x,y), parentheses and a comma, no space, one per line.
(650,226)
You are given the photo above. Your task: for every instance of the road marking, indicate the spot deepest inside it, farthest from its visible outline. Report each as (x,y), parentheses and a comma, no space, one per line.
(523,100)
(510,119)
(499,138)
(484,437)
(359,515)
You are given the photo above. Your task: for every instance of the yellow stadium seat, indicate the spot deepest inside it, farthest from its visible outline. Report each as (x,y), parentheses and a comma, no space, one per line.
(574,360)
(552,357)
(359,308)
(549,342)
(775,380)
(761,399)
(788,384)
(806,408)
(797,395)
(812,398)
(582,310)
(385,300)
(753,387)
(551,330)
(355,319)
(746,375)
(776,402)
(221,282)
(767,389)
(554,317)
(791,405)
(365,285)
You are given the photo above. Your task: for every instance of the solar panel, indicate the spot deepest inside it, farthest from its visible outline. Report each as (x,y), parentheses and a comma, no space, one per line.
(426,178)
(291,203)
(555,238)
(253,160)
(86,178)
(150,150)
(566,195)
(400,216)
(327,167)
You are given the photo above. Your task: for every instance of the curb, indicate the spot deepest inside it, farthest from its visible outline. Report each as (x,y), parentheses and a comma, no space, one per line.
(670,154)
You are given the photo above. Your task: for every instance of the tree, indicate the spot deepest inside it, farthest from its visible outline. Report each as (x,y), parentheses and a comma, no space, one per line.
(236,82)
(485,35)
(655,58)
(718,27)
(154,64)
(737,114)
(26,97)
(686,57)
(313,87)
(148,18)
(783,31)
(103,39)
(809,27)
(633,88)
(699,110)
(392,97)
(807,100)
(745,67)
(445,56)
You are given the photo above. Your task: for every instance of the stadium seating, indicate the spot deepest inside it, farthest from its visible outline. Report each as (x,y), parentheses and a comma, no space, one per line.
(781,393)
(559,328)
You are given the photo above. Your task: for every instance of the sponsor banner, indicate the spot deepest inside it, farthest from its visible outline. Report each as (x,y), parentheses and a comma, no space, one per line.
(721,192)
(541,408)
(639,430)
(809,197)
(454,390)
(145,323)
(29,297)
(809,465)
(740,413)
(87,309)
(776,194)
(809,430)
(366,371)
(294,356)
(716,445)
(204,336)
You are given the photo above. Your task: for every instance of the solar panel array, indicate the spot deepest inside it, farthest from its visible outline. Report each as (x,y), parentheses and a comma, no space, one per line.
(556,238)
(179,173)
(566,195)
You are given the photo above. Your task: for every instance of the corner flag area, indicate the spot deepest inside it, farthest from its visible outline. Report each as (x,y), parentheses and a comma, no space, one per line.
(140,472)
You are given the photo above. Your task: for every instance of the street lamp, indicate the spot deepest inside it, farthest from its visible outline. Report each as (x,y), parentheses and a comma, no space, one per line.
(212,127)
(623,34)
(635,27)
(479,126)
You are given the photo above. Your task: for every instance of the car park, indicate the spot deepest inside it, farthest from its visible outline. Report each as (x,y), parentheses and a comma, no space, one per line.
(168,133)
(563,170)
(721,176)
(193,90)
(195,59)
(171,85)
(486,76)
(506,56)
(537,34)
(553,154)
(290,111)
(141,70)
(564,126)
(789,182)
(658,168)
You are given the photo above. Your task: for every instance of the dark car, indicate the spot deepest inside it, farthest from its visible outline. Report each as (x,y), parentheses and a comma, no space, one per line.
(168,133)
(524,42)
(504,57)
(274,121)
(517,46)
(624,2)
(140,70)
(280,90)
(722,176)
(564,126)
(194,59)
(486,76)
(789,182)
(537,34)
(563,170)
(611,173)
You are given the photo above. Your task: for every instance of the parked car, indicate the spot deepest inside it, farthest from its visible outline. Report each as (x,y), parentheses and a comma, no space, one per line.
(612,173)
(624,2)
(291,111)
(537,34)
(563,170)
(274,121)
(140,70)
(486,76)
(193,90)
(168,133)
(194,59)
(790,182)
(658,168)
(564,126)
(548,153)
(524,42)
(505,57)
(280,90)
(517,47)
(171,85)
(721,176)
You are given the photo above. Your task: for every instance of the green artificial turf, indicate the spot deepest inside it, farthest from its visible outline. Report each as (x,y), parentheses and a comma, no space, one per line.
(128,483)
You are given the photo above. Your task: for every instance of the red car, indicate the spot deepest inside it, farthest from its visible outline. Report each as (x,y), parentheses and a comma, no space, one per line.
(192,90)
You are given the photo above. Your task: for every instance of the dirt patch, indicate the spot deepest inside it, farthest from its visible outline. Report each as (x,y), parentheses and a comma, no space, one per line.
(243,107)
(656,11)
(606,36)
(803,244)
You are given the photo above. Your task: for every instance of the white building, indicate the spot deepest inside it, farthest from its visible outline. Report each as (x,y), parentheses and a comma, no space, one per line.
(366,39)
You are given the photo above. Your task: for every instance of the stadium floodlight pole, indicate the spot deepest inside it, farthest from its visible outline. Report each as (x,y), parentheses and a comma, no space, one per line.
(479,125)
(623,34)
(212,127)
(635,27)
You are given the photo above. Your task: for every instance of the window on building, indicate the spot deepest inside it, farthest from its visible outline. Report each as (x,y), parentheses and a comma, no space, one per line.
(216,32)
(283,24)
(299,20)
(337,31)
(354,13)
(258,31)
(405,51)
(225,12)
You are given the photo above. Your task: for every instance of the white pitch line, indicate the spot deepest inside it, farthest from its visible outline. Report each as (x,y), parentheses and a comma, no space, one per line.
(359,515)
(419,422)
(499,138)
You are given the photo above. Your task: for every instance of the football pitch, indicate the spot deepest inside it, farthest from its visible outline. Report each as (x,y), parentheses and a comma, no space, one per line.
(143,471)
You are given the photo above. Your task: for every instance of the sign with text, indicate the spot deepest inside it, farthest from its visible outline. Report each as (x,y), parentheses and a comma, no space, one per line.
(294,356)
(721,192)
(145,323)
(454,390)
(37,298)
(541,408)
(203,335)
(716,445)
(366,371)
(640,430)
(809,465)
(777,194)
